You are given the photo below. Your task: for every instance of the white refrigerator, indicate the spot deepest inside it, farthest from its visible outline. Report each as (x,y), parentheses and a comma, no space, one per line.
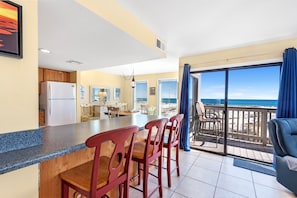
(58,99)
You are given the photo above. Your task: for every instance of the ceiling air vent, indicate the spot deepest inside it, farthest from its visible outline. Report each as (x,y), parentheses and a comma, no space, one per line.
(160,44)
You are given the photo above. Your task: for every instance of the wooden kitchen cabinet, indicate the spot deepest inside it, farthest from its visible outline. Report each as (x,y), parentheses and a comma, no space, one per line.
(40,78)
(41,118)
(55,75)
(49,75)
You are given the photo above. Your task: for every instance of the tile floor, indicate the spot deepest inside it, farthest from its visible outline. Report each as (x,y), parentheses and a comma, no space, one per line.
(206,175)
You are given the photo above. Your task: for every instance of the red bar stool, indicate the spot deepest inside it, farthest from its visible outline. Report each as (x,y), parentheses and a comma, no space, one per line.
(97,177)
(145,153)
(172,140)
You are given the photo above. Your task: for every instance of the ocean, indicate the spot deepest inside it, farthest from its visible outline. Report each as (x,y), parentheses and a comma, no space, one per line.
(233,102)
(141,100)
(164,100)
(241,102)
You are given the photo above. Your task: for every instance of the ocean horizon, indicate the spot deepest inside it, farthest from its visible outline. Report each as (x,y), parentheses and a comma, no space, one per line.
(241,102)
(164,100)
(233,102)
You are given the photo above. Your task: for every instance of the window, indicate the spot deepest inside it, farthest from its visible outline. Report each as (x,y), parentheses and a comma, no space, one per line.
(168,97)
(140,94)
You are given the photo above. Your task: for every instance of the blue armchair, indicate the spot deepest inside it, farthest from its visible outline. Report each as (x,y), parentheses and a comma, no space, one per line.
(283,134)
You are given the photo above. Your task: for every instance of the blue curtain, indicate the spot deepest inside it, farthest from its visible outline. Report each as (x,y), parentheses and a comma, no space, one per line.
(185,109)
(287,98)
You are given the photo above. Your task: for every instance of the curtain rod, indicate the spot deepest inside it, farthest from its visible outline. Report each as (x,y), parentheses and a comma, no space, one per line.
(229,59)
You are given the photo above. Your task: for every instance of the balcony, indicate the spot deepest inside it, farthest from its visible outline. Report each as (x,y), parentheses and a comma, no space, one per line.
(247,132)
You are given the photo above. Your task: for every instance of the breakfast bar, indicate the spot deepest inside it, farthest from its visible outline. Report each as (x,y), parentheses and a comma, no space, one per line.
(62,148)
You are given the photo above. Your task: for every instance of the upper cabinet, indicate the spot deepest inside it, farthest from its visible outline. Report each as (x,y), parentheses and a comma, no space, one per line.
(55,75)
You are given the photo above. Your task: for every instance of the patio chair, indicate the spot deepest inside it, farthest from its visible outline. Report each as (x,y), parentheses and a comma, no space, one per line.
(211,119)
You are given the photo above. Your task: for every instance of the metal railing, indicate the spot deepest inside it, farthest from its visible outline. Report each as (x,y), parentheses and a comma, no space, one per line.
(245,124)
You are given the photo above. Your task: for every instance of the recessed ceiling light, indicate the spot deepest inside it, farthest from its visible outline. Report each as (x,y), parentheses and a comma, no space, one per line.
(73,61)
(44,50)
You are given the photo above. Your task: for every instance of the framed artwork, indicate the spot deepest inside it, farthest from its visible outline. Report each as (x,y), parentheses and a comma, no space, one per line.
(82,92)
(117,93)
(152,90)
(11,29)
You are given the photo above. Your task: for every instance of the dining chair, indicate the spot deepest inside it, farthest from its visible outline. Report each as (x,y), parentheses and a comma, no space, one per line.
(146,152)
(113,111)
(151,110)
(171,140)
(143,108)
(102,174)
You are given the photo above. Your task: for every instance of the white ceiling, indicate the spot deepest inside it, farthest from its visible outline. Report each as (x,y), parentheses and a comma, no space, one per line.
(187,27)
(73,33)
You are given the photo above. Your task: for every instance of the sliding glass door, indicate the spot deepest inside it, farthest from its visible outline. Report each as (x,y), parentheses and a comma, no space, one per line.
(237,104)
(208,115)
(252,101)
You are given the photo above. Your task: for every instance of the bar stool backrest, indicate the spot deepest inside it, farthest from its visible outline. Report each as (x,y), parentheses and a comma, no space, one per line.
(155,137)
(118,165)
(174,129)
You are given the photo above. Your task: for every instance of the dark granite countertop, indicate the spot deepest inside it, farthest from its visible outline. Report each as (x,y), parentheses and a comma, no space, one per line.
(60,140)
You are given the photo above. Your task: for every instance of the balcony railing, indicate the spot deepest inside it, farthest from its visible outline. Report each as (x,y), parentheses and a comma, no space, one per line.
(245,124)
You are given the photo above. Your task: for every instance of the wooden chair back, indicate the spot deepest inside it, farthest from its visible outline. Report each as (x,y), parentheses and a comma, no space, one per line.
(86,112)
(155,138)
(118,165)
(143,108)
(174,129)
(113,111)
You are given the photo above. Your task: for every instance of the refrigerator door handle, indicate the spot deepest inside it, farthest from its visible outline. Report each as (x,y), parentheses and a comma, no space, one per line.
(49,97)
(50,91)
(50,107)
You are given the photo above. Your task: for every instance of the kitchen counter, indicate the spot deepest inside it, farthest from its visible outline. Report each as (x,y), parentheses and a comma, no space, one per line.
(61,140)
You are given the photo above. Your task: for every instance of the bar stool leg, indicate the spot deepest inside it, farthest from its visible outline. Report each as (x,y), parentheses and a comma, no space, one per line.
(126,189)
(65,190)
(138,172)
(168,167)
(145,180)
(177,158)
(160,175)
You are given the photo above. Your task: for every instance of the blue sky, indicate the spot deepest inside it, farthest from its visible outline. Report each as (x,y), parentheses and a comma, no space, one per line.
(253,83)
(169,89)
(141,90)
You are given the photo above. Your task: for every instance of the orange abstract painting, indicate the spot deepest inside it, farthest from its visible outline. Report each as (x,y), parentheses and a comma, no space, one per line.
(9,27)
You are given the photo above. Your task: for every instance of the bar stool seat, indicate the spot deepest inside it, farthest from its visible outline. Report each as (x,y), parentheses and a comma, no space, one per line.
(139,150)
(81,175)
(99,176)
